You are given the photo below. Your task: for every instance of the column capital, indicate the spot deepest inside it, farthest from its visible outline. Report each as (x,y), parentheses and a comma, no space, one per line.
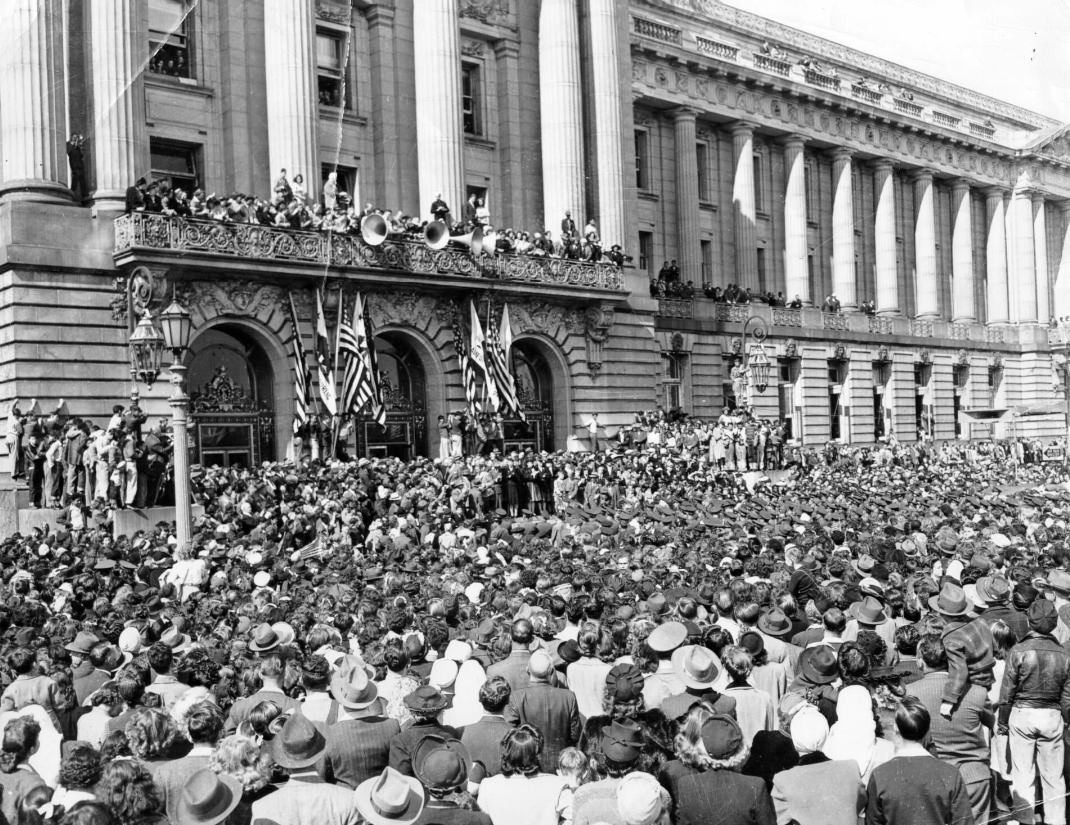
(506,47)
(883,165)
(841,153)
(1025,192)
(379,15)
(992,193)
(1038,197)
(683,113)
(794,139)
(742,127)
(959,185)
(1063,207)
(922,175)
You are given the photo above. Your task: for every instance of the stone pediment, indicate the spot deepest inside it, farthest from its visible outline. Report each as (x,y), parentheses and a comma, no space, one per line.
(1054,145)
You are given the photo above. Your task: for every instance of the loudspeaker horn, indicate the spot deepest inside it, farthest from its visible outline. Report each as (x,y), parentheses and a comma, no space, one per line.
(436,235)
(373,230)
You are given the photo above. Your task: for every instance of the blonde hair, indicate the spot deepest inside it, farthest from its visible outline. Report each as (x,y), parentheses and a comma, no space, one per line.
(240,757)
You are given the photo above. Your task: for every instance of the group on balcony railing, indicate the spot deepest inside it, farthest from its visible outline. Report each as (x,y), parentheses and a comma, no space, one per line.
(291,207)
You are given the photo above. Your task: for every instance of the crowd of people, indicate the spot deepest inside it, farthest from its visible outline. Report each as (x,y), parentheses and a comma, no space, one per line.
(654,641)
(292,207)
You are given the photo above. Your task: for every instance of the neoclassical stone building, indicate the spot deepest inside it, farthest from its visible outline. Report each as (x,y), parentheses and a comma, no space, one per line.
(749,152)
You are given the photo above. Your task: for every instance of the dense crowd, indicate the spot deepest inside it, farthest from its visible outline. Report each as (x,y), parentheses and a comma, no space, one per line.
(646,639)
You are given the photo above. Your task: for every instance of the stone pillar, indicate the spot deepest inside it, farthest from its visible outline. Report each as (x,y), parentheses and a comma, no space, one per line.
(608,140)
(928,295)
(117,51)
(887,268)
(33,113)
(688,239)
(1061,307)
(996,256)
(843,231)
(1023,265)
(964,304)
(796,268)
(1040,254)
(439,127)
(561,113)
(292,102)
(744,204)
(389,169)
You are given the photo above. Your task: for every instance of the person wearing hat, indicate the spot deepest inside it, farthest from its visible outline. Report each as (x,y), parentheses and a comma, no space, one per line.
(271,689)
(967,643)
(995,591)
(207,798)
(1034,707)
(962,740)
(426,705)
(720,749)
(819,670)
(390,799)
(699,669)
(85,676)
(553,710)
(1058,582)
(869,614)
(357,731)
(817,791)
(663,682)
(620,749)
(443,767)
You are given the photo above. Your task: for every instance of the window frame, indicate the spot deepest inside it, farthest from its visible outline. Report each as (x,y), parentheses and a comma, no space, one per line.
(758,170)
(341,75)
(194,152)
(472,77)
(702,161)
(646,251)
(642,158)
(159,39)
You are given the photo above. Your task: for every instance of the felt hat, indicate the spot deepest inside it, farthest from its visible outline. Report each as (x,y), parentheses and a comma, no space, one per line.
(208,798)
(819,665)
(83,643)
(625,682)
(993,589)
(622,742)
(1059,581)
(390,798)
(441,764)
(775,623)
(870,611)
(1042,616)
(298,744)
(665,638)
(352,686)
(951,601)
(175,639)
(426,699)
(696,666)
(263,638)
(721,737)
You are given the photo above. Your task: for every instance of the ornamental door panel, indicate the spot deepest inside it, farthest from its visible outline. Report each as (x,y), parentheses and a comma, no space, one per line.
(535,392)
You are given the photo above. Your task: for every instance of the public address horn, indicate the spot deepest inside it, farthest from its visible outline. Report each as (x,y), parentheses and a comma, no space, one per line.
(373,230)
(436,235)
(473,240)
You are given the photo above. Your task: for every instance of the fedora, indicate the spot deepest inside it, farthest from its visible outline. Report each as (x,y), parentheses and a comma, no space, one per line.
(993,589)
(441,764)
(264,638)
(951,602)
(696,666)
(352,686)
(870,611)
(864,565)
(285,632)
(298,744)
(622,742)
(390,798)
(175,639)
(208,798)
(426,699)
(819,665)
(83,643)
(775,623)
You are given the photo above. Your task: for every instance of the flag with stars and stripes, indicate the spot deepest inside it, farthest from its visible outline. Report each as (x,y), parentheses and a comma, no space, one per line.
(360,377)
(468,372)
(324,359)
(498,368)
(300,370)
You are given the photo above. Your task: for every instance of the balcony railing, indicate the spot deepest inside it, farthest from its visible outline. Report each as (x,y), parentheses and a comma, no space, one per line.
(723,50)
(880,324)
(834,320)
(154,232)
(783,317)
(982,131)
(995,335)
(676,307)
(944,119)
(866,94)
(822,80)
(907,108)
(732,312)
(921,329)
(656,31)
(771,64)
(960,332)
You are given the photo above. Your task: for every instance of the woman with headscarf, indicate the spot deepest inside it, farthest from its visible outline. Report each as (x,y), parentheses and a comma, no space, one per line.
(854,736)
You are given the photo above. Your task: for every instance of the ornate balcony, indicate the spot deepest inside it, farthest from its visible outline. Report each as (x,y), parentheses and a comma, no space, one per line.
(865,93)
(771,64)
(144,235)
(656,31)
(676,307)
(822,80)
(784,317)
(713,47)
(907,108)
(834,320)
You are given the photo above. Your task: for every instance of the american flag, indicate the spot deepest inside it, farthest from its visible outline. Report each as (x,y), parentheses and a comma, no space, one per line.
(300,370)
(313,550)
(468,372)
(323,359)
(360,384)
(477,354)
(498,368)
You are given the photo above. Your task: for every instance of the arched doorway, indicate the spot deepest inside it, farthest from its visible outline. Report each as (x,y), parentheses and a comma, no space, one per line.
(535,392)
(231,386)
(404,385)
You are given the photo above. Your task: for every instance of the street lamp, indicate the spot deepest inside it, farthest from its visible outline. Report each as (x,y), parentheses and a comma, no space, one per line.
(177,328)
(146,350)
(754,369)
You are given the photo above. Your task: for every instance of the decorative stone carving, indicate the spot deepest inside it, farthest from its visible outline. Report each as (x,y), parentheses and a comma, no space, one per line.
(472,48)
(882,356)
(791,349)
(221,394)
(340,15)
(409,309)
(241,298)
(995,362)
(143,289)
(598,320)
(839,353)
(485,11)
(925,357)
(536,316)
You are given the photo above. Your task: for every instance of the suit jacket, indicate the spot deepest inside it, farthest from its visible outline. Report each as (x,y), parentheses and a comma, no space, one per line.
(513,668)
(357,749)
(822,793)
(554,712)
(302,801)
(403,744)
(916,790)
(722,797)
(172,774)
(87,679)
(483,740)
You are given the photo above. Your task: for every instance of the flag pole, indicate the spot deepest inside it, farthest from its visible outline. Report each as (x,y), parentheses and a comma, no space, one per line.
(337,419)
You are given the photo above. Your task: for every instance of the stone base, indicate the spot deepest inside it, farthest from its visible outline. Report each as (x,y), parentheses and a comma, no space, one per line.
(126,523)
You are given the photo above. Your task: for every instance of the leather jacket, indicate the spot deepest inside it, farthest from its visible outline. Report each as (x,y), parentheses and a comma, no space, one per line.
(1037,675)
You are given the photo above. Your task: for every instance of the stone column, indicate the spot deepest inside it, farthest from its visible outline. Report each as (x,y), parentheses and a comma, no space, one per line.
(1061,308)
(33,114)
(887,268)
(843,231)
(117,50)
(607,94)
(928,296)
(996,256)
(561,113)
(964,303)
(1023,264)
(796,268)
(1040,254)
(439,127)
(688,239)
(388,153)
(292,102)
(744,204)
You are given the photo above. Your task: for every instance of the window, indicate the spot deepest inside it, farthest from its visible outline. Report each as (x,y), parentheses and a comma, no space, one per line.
(674,375)
(330,69)
(702,156)
(762,273)
(835,415)
(707,261)
(169,38)
(642,159)
(837,371)
(808,184)
(646,252)
(878,415)
(472,98)
(759,181)
(175,162)
(811,276)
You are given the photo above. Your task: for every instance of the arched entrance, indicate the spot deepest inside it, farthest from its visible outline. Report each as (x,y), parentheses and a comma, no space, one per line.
(232,389)
(535,392)
(404,385)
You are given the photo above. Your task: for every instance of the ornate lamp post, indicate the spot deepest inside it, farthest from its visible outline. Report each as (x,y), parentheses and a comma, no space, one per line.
(146,351)
(753,370)
(177,328)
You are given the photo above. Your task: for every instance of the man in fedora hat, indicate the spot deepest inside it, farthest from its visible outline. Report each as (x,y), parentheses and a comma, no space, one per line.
(390,799)
(358,733)
(207,798)
(86,677)
(1058,583)
(305,799)
(968,644)
(698,668)
(663,682)
(443,767)
(426,705)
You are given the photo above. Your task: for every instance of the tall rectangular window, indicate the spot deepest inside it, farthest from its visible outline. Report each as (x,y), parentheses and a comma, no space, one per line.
(762,272)
(642,159)
(759,183)
(472,98)
(808,184)
(330,69)
(707,261)
(170,31)
(702,156)
(646,252)
(175,162)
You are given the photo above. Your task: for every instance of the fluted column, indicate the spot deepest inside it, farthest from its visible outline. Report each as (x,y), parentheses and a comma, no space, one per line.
(964,303)
(561,112)
(1040,255)
(996,257)
(1023,264)
(843,231)
(1061,308)
(605,74)
(887,268)
(796,269)
(32,109)
(292,102)
(688,239)
(928,297)
(439,127)
(744,205)
(117,50)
